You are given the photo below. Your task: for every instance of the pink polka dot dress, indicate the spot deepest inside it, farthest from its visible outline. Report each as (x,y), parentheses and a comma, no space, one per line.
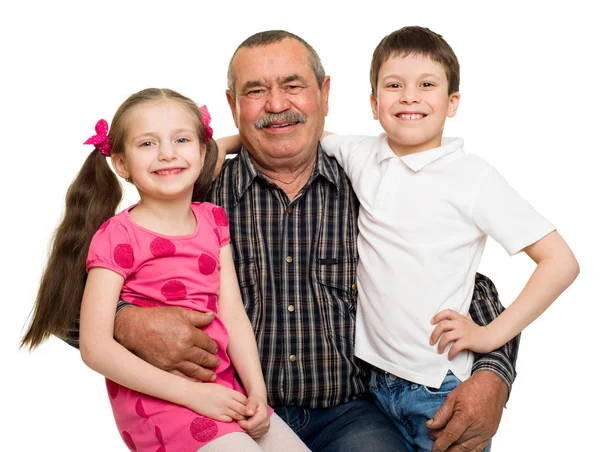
(167,271)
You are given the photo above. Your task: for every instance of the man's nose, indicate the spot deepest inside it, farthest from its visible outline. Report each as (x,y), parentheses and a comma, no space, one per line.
(277,101)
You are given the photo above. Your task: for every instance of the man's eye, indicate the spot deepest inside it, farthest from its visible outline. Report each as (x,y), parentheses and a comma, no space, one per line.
(256,93)
(293,88)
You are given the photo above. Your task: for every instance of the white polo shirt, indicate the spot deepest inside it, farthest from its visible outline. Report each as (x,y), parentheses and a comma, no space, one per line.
(423,221)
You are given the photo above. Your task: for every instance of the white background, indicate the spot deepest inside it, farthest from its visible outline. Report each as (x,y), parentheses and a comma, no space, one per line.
(529,105)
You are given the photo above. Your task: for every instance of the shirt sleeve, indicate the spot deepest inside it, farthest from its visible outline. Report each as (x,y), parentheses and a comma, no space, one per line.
(111,248)
(500,212)
(485,307)
(342,148)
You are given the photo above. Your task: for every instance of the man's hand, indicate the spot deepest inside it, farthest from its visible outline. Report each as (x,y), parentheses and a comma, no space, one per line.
(170,339)
(471,414)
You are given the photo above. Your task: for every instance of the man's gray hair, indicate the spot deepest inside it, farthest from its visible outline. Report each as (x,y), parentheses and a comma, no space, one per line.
(264,38)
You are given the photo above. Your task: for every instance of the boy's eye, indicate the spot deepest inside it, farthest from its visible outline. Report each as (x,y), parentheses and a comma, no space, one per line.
(427,84)
(394,85)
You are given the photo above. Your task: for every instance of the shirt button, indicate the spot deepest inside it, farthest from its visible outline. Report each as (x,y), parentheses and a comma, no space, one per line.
(293,358)
(289,210)
(354,286)
(291,308)
(289,259)
(392,377)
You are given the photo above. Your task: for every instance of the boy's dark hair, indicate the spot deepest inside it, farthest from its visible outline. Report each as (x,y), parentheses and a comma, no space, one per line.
(416,41)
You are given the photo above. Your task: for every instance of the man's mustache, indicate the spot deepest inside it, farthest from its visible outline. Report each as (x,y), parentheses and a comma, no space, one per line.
(284,116)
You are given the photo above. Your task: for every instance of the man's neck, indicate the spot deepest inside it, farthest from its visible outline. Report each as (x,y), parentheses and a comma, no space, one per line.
(291,176)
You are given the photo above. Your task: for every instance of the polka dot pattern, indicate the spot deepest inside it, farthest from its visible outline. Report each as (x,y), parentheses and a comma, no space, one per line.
(123,255)
(206,264)
(220,216)
(212,303)
(113,389)
(218,234)
(139,409)
(104,225)
(203,429)
(174,290)
(128,441)
(146,303)
(160,247)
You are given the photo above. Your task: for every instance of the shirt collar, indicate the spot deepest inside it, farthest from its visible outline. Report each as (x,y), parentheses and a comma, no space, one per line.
(247,172)
(420,160)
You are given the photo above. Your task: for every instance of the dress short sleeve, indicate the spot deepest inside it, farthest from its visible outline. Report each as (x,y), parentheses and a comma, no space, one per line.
(218,219)
(111,248)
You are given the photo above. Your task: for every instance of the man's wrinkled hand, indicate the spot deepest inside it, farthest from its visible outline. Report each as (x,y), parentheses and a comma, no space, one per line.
(471,414)
(170,339)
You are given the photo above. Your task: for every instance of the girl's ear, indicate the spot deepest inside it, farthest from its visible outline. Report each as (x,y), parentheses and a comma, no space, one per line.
(120,166)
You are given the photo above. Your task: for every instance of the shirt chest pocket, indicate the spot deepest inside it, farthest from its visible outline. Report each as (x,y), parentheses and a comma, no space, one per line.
(336,292)
(247,280)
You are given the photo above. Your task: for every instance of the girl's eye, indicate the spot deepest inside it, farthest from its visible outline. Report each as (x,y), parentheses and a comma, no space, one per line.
(182,140)
(146,144)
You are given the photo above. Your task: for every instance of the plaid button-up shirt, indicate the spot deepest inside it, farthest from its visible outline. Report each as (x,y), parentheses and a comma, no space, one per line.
(296,264)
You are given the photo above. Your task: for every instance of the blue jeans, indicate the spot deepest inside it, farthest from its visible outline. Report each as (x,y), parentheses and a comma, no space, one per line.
(410,405)
(356,426)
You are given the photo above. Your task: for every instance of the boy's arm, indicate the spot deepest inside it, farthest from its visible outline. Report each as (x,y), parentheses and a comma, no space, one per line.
(226,145)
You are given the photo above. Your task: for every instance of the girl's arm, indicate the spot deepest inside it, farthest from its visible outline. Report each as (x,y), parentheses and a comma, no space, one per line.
(242,346)
(556,269)
(102,353)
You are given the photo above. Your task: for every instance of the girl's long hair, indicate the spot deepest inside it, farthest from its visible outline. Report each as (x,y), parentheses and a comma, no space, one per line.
(93,198)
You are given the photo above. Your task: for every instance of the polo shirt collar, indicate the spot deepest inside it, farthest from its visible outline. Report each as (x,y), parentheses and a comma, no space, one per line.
(420,160)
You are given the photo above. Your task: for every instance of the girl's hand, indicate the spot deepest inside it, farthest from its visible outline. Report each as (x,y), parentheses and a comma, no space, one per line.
(217,402)
(259,421)
(466,334)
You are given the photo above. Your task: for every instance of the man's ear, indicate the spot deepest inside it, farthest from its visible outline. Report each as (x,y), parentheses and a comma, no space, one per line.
(325,94)
(453,102)
(374,107)
(233,106)
(119,165)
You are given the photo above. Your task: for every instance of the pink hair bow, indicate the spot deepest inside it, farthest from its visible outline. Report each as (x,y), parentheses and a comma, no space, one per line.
(100,140)
(206,118)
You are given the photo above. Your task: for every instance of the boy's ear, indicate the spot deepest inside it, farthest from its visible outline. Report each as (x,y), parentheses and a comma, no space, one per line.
(119,165)
(453,102)
(374,107)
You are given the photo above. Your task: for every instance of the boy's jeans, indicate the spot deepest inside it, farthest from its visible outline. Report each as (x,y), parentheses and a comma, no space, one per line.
(410,405)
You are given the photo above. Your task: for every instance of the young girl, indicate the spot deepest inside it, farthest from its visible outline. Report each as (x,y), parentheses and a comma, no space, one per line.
(163,251)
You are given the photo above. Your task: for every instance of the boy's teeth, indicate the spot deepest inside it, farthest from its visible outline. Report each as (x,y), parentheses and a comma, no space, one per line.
(411,116)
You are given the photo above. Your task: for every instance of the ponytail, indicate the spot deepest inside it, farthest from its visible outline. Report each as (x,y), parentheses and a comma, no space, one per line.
(92,198)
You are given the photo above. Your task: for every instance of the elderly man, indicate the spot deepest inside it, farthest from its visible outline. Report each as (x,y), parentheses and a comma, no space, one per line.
(293,220)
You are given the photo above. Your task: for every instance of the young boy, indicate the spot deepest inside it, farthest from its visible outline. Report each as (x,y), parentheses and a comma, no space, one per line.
(426,210)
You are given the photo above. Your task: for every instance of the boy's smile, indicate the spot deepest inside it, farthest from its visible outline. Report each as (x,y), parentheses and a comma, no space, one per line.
(412,103)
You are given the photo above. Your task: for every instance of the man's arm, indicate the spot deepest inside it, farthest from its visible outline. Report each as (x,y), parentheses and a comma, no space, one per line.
(471,414)
(169,338)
